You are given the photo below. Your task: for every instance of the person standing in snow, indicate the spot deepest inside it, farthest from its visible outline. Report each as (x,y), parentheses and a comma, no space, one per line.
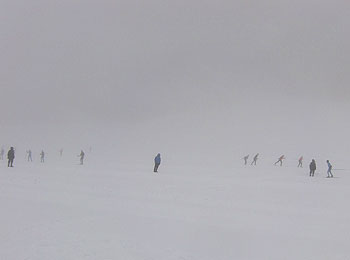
(312,168)
(10,157)
(329,171)
(301,162)
(42,156)
(29,152)
(245,158)
(61,152)
(157,161)
(2,153)
(255,159)
(280,160)
(82,155)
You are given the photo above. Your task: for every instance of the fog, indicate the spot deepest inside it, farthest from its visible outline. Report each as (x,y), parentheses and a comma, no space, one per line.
(190,79)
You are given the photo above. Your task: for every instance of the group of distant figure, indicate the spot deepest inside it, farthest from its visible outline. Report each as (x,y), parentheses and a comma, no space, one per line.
(312,165)
(157,160)
(30,158)
(255,159)
(11,156)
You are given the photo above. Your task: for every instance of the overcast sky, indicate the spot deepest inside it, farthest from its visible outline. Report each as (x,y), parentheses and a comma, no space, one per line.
(256,64)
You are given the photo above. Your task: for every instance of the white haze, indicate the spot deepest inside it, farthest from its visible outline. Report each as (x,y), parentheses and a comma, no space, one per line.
(198,81)
(203,83)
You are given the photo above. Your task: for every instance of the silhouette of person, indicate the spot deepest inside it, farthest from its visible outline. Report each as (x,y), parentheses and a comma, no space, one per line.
(329,171)
(280,160)
(157,161)
(312,168)
(245,158)
(2,153)
(82,155)
(301,162)
(61,152)
(255,159)
(42,156)
(29,152)
(10,157)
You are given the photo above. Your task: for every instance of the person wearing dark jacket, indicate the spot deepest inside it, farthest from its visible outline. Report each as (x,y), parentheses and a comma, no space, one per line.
(312,168)
(10,157)
(82,155)
(157,161)
(255,159)
(42,156)
(245,158)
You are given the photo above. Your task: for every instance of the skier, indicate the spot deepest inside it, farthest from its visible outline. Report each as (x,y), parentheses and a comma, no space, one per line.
(82,155)
(280,160)
(2,153)
(10,157)
(245,158)
(329,171)
(301,162)
(29,152)
(157,161)
(42,156)
(255,159)
(312,168)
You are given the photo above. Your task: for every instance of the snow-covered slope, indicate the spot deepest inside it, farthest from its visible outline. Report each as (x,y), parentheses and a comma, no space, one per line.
(59,210)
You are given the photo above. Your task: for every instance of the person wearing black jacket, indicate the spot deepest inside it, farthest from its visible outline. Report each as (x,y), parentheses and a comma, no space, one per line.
(10,157)
(312,168)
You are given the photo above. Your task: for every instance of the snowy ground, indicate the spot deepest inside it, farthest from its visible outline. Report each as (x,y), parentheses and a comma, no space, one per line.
(66,211)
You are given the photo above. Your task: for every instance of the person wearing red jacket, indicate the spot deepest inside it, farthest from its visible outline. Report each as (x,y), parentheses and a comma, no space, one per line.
(301,162)
(280,160)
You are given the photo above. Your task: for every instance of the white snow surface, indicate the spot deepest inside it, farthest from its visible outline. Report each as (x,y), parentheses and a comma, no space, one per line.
(110,210)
